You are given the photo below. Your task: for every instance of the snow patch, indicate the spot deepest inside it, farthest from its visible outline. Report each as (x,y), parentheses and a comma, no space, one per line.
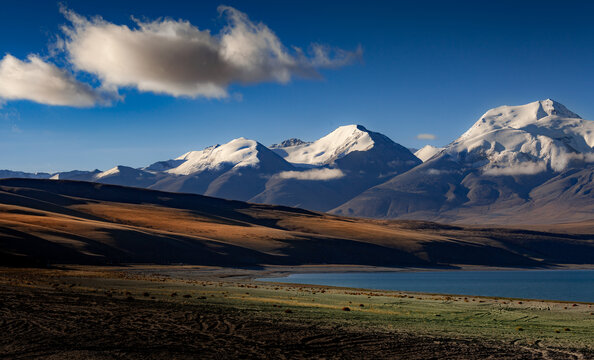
(427,152)
(112,171)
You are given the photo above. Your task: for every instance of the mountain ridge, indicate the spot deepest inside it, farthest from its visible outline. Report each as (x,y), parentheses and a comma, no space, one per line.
(495,170)
(327,172)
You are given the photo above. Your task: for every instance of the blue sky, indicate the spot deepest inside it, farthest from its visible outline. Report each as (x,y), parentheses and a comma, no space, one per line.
(427,67)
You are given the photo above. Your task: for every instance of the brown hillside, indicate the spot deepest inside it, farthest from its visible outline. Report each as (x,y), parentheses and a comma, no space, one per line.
(47,221)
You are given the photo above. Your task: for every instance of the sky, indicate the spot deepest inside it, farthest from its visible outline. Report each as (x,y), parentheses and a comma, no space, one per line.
(94,84)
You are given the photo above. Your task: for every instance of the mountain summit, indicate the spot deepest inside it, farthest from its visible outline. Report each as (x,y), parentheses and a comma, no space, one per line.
(329,148)
(530,138)
(236,153)
(236,170)
(341,165)
(520,116)
(497,170)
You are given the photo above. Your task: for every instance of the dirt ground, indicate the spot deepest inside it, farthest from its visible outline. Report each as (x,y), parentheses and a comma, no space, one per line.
(92,315)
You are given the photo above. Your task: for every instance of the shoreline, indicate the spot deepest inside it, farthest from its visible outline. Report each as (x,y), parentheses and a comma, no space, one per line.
(309,269)
(277,279)
(191,272)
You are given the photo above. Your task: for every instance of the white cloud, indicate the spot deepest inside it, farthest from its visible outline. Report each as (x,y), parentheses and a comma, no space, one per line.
(560,160)
(175,57)
(36,80)
(527,168)
(426,137)
(438,172)
(313,174)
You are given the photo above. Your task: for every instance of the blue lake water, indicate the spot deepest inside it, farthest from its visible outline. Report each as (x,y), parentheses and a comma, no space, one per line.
(569,285)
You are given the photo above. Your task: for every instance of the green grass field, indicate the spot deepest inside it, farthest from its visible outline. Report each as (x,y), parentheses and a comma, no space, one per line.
(548,324)
(118,311)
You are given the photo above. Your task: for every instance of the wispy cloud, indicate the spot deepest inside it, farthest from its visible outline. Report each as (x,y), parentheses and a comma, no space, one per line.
(15,129)
(528,168)
(42,82)
(561,160)
(313,174)
(175,57)
(426,137)
(9,117)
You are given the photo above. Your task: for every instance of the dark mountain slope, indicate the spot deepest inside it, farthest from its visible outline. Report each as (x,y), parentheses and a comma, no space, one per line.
(50,221)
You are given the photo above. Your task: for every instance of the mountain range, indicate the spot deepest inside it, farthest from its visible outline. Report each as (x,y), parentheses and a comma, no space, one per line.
(532,163)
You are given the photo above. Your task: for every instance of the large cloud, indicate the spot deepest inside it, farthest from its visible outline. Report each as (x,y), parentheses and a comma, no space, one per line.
(175,57)
(42,82)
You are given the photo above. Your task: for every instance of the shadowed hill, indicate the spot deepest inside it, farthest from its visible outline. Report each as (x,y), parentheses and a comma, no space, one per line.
(51,221)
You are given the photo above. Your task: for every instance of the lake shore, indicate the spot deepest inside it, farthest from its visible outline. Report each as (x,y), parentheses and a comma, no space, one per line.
(275,271)
(93,312)
(552,284)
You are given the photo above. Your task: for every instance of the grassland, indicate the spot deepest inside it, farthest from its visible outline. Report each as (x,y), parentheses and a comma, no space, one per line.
(208,313)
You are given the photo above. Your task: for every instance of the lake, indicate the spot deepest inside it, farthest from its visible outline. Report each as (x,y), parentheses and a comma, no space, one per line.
(568,285)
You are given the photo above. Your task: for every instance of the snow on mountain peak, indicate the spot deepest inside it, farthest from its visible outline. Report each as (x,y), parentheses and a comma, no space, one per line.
(517,117)
(112,171)
(526,139)
(551,107)
(238,153)
(335,145)
(427,152)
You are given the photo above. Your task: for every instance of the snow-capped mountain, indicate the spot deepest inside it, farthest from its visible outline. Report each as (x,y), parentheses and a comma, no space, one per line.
(350,147)
(236,170)
(318,175)
(329,148)
(536,160)
(236,153)
(526,139)
(341,165)
(499,164)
